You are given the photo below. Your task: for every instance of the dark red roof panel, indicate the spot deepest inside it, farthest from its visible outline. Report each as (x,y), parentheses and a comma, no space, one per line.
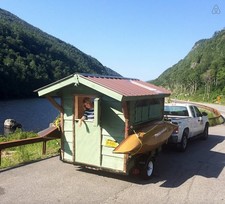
(127,87)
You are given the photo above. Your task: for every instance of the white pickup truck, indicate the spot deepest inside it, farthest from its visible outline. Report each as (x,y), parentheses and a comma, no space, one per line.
(190,121)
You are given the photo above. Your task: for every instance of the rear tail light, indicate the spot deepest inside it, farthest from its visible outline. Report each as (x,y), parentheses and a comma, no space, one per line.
(176,130)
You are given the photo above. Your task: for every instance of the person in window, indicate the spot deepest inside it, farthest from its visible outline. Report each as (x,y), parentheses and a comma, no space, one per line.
(88,111)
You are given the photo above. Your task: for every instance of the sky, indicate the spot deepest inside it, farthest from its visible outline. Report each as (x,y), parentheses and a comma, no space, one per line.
(136,38)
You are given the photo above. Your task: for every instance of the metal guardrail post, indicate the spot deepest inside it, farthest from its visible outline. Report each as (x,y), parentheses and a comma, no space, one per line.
(44,147)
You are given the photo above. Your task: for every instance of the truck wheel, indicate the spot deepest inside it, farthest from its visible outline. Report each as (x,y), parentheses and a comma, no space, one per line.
(182,146)
(148,169)
(205,133)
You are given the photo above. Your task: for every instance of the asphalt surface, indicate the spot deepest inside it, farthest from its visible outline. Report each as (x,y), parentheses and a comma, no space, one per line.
(195,176)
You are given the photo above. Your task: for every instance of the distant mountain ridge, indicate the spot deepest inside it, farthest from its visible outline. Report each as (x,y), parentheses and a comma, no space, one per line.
(30,58)
(201,73)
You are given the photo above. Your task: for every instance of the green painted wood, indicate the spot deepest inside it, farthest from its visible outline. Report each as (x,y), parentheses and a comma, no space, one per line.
(107,151)
(68,107)
(155,111)
(145,110)
(138,114)
(88,143)
(68,151)
(97,112)
(68,128)
(68,136)
(112,121)
(57,85)
(68,125)
(113,163)
(113,127)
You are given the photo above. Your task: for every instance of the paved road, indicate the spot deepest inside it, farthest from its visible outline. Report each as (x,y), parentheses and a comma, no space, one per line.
(195,176)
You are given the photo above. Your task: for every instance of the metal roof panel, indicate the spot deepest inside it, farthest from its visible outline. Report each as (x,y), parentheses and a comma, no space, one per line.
(127,87)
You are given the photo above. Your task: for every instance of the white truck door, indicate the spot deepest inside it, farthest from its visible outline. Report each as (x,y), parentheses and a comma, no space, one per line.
(200,126)
(194,122)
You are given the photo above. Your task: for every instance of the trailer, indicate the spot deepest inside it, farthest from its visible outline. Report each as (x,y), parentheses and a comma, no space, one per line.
(124,108)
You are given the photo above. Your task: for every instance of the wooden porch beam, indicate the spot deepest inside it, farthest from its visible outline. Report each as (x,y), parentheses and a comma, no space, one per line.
(126,115)
(55,104)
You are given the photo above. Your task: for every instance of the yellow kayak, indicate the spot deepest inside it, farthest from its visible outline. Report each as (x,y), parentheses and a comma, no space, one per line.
(147,139)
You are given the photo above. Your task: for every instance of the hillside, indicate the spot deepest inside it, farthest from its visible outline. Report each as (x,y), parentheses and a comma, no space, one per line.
(30,58)
(201,74)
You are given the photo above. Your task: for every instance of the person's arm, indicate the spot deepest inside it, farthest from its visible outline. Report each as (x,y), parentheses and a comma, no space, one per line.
(81,120)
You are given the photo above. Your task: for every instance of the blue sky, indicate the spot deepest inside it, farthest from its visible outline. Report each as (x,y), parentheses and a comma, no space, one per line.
(136,38)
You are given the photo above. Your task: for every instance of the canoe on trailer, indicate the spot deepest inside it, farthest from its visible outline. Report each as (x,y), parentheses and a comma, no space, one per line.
(146,139)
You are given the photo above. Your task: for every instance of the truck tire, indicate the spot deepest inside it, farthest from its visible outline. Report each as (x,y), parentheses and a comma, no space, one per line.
(182,146)
(205,133)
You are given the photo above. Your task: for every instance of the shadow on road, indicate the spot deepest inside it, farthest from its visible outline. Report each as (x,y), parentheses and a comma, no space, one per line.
(174,168)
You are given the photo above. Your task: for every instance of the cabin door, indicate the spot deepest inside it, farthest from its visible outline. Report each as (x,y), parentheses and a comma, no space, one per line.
(87,136)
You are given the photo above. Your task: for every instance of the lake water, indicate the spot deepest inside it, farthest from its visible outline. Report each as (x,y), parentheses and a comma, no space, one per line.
(34,114)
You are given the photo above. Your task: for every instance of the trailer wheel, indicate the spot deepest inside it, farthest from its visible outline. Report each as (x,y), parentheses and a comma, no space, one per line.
(148,169)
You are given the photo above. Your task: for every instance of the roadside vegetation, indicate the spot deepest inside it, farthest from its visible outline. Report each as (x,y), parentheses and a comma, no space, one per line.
(214,98)
(200,75)
(213,118)
(30,58)
(27,153)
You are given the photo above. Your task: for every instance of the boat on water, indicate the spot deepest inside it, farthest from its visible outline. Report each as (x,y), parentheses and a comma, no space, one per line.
(146,139)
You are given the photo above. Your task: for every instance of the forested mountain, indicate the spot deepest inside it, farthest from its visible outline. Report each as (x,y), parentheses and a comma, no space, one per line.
(30,58)
(201,74)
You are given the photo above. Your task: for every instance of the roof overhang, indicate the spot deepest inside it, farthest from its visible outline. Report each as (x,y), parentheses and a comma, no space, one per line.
(118,88)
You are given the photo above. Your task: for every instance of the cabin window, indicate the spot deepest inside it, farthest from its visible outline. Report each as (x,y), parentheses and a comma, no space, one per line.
(81,105)
(148,110)
(87,106)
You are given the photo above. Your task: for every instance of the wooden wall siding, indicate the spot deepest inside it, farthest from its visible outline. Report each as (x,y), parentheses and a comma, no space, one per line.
(141,114)
(155,111)
(138,114)
(145,114)
(68,128)
(113,125)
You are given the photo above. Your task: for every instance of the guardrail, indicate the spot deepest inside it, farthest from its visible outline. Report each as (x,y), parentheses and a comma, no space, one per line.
(217,114)
(50,133)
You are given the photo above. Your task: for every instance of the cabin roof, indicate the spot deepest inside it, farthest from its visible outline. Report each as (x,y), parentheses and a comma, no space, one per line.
(116,87)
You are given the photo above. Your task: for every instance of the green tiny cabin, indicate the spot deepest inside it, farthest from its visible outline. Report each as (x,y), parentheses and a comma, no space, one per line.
(119,103)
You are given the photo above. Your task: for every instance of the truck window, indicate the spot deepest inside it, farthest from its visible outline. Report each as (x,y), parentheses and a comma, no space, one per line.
(192,111)
(176,110)
(198,113)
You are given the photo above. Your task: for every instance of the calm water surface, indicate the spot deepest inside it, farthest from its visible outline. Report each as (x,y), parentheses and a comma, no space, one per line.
(33,114)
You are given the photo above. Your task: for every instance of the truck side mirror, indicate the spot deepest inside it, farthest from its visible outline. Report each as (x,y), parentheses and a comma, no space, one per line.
(204,113)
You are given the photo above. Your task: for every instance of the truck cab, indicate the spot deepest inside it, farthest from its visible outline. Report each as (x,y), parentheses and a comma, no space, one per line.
(190,121)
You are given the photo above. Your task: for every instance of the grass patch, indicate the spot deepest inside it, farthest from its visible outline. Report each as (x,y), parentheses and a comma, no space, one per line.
(17,135)
(18,155)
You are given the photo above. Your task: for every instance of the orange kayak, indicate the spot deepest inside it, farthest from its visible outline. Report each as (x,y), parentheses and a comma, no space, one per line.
(146,139)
